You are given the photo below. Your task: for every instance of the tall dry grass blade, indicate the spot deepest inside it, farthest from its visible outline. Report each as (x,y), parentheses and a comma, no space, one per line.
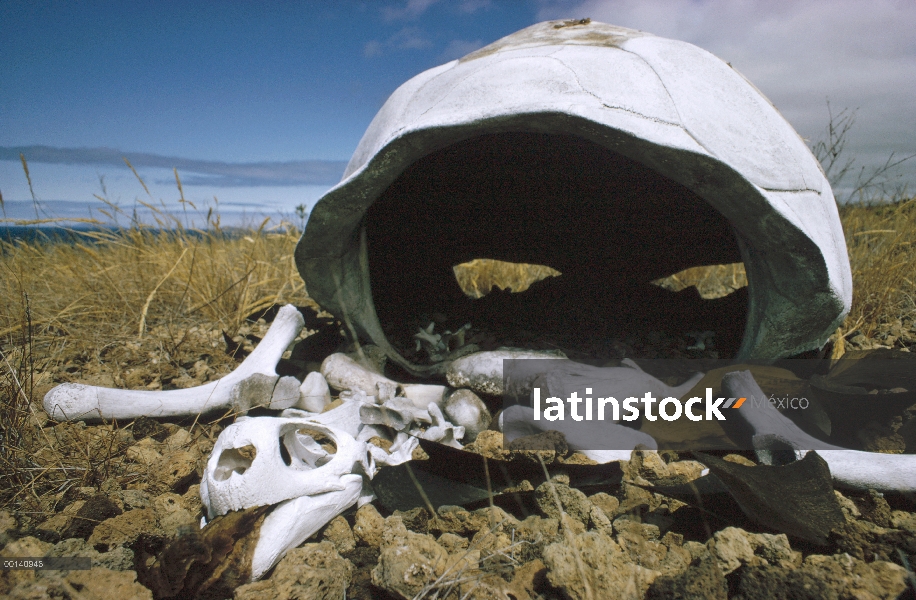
(149,299)
(137,175)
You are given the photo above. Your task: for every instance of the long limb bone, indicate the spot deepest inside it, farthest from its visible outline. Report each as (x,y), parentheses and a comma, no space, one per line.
(775,434)
(254,382)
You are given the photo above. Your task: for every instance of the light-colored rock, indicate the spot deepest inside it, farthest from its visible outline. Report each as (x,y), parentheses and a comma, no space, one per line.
(452,543)
(25,547)
(685,470)
(853,578)
(649,465)
(734,547)
(368,526)
(590,564)
(552,498)
(174,470)
(338,532)
(607,503)
(481,275)
(125,529)
(144,455)
(739,460)
(489,443)
(408,561)
(314,571)
(849,508)
(95,584)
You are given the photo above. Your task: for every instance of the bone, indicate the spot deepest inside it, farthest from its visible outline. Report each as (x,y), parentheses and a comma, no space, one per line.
(775,434)
(254,383)
(397,413)
(442,431)
(422,394)
(314,393)
(482,372)
(294,521)
(601,441)
(466,409)
(246,467)
(343,373)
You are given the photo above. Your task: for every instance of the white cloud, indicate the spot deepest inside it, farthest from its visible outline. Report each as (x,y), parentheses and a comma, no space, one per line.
(799,53)
(372,48)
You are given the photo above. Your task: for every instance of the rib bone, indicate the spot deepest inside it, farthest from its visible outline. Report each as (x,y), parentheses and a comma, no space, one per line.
(775,433)
(254,382)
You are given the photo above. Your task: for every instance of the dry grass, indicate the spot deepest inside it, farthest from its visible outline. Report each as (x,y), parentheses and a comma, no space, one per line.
(101,307)
(132,296)
(881,240)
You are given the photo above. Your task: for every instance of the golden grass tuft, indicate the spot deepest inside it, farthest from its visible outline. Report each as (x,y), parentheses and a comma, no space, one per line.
(881,241)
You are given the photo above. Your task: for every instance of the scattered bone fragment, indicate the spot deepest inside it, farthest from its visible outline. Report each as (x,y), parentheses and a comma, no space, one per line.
(775,435)
(344,373)
(254,383)
(314,393)
(442,431)
(397,413)
(465,408)
(422,394)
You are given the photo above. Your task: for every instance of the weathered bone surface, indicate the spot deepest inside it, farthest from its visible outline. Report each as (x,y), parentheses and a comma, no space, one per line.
(665,104)
(421,394)
(247,468)
(442,431)
(465,408)
(314,393)
(776,435)
(294,521)
(345,374)
(254,383)
(482,372)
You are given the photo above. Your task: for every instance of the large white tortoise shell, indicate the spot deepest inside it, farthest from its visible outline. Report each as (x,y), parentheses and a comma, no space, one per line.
(667,104)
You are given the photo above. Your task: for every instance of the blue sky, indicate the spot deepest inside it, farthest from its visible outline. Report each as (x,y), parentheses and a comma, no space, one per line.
(261,104)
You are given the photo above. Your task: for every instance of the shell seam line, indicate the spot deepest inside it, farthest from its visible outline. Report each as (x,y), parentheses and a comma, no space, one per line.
(674,104)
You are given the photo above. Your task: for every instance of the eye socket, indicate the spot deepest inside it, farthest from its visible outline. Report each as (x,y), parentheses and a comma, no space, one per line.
(234,460)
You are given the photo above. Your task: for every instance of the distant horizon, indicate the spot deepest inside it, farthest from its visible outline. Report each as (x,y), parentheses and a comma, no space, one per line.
(265,104)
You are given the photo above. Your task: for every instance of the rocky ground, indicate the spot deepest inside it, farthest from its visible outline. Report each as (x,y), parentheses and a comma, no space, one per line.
(122,493)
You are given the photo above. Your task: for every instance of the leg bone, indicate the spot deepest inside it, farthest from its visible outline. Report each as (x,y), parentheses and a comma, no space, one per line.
(775,433)
(254,382)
